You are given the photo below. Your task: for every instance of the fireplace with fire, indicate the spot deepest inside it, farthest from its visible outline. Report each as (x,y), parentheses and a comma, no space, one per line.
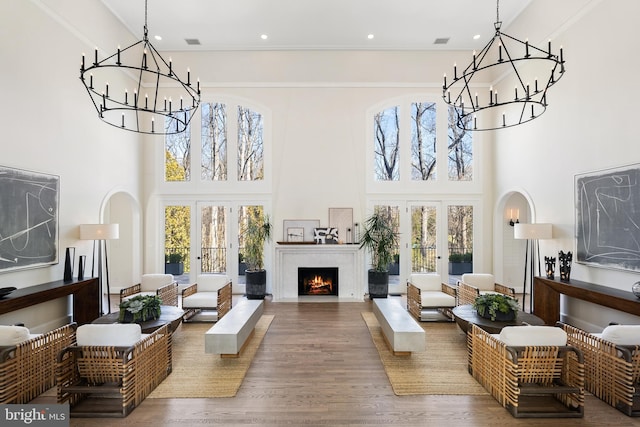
(317,281)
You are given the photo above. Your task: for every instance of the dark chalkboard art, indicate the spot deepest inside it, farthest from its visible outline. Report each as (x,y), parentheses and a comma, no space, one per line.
(29,204)
(608,218)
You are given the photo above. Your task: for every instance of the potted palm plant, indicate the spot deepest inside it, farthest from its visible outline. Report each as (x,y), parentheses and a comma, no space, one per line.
(256,233)
(380,239)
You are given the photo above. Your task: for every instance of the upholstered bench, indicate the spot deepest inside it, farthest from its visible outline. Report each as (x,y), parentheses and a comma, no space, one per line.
(229,335)
(401,332)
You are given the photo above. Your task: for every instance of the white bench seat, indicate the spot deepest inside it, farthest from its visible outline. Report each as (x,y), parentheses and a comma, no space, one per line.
(229,335)
(401,332)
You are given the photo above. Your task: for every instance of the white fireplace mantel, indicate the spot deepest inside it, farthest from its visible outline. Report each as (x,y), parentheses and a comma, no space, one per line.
(348,258)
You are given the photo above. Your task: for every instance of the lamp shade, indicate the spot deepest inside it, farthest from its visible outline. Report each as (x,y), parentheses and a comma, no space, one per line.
(99,231)
(532,231)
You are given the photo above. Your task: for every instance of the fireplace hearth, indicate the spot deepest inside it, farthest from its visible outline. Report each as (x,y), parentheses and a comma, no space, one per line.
(317,281)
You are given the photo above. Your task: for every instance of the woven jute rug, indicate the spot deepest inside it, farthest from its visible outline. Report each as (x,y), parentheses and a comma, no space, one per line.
(441,369)
(198,374)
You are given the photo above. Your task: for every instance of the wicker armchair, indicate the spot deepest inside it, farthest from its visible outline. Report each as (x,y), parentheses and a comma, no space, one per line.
(612,364)
(101,380)
(472,285)
(541,379)
(426,292)
(27,369)
(162,285)
(211,292)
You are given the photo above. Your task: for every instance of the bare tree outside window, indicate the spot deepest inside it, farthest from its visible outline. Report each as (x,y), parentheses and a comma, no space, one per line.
(178,150)
(387,144)
(460,219)
(423,141)
(250,145)
(423,239)
(214,142)
(213,233)
(460,146)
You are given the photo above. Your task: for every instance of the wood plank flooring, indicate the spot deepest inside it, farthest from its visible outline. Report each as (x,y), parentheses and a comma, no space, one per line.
(317,366)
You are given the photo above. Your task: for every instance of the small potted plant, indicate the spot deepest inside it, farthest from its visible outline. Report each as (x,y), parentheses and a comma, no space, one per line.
(174,264)
(140,309)
(497,307)
(256,233)
(381,240)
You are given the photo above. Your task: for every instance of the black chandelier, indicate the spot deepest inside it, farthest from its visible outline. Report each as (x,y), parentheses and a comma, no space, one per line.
(151,97)
(503,54)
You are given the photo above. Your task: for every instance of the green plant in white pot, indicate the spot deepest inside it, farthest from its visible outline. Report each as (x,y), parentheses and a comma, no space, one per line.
(380,239)
(256,233)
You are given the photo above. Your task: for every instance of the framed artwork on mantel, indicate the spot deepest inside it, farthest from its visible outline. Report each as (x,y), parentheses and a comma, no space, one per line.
(307,226)
(342,219)
(295,234)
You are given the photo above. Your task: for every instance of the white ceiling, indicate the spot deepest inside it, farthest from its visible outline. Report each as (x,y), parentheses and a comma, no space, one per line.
(320,24)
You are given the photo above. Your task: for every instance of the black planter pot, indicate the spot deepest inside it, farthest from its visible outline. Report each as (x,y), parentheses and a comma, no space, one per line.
(175,268)
(256,284)
(500,316)
(378,284)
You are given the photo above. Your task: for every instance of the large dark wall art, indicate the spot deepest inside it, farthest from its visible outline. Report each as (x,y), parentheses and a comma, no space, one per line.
(28,219)
(608,218)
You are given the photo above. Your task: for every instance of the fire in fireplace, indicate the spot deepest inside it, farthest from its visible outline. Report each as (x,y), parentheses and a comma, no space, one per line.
(317,281)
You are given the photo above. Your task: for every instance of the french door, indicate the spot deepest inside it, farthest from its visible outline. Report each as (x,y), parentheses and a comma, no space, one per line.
(219,232)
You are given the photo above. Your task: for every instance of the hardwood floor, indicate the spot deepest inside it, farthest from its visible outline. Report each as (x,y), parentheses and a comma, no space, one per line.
(317,366)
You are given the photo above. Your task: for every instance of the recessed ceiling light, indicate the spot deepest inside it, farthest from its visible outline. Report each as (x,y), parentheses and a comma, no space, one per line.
(370,36)
(157,37)
(476,37)
(264,36)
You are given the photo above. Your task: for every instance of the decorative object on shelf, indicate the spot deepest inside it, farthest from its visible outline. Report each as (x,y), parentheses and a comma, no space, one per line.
(28,219)
(511,221)
(564,261)
(82,262)
(140,309)
(497,307)
(550,266)
(306,224)
(532,233)
(636,289)
(100,233)
(380,238)
(295,234)
(69,258)
(342,220)
(6,291)
(325,235)
(501,55)
(134,110)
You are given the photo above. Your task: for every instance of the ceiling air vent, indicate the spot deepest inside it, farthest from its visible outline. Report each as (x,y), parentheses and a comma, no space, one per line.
(192,41)
(442,40)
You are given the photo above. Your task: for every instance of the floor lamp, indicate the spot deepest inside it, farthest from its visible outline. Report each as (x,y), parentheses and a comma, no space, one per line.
(532,233)
(100,233)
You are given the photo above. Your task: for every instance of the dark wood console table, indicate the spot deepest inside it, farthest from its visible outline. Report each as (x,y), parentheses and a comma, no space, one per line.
(546,297)
(86,297)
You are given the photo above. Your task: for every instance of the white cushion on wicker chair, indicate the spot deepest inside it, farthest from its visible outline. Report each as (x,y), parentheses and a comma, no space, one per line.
(201,300)
(211,282)
(437,299)
(151,282)
(622,334)
(482,281)
(12,335)
(116,334)
(426,282)
(533,335)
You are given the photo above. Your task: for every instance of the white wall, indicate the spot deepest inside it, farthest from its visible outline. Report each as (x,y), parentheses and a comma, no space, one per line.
(50,126)
(589,125)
